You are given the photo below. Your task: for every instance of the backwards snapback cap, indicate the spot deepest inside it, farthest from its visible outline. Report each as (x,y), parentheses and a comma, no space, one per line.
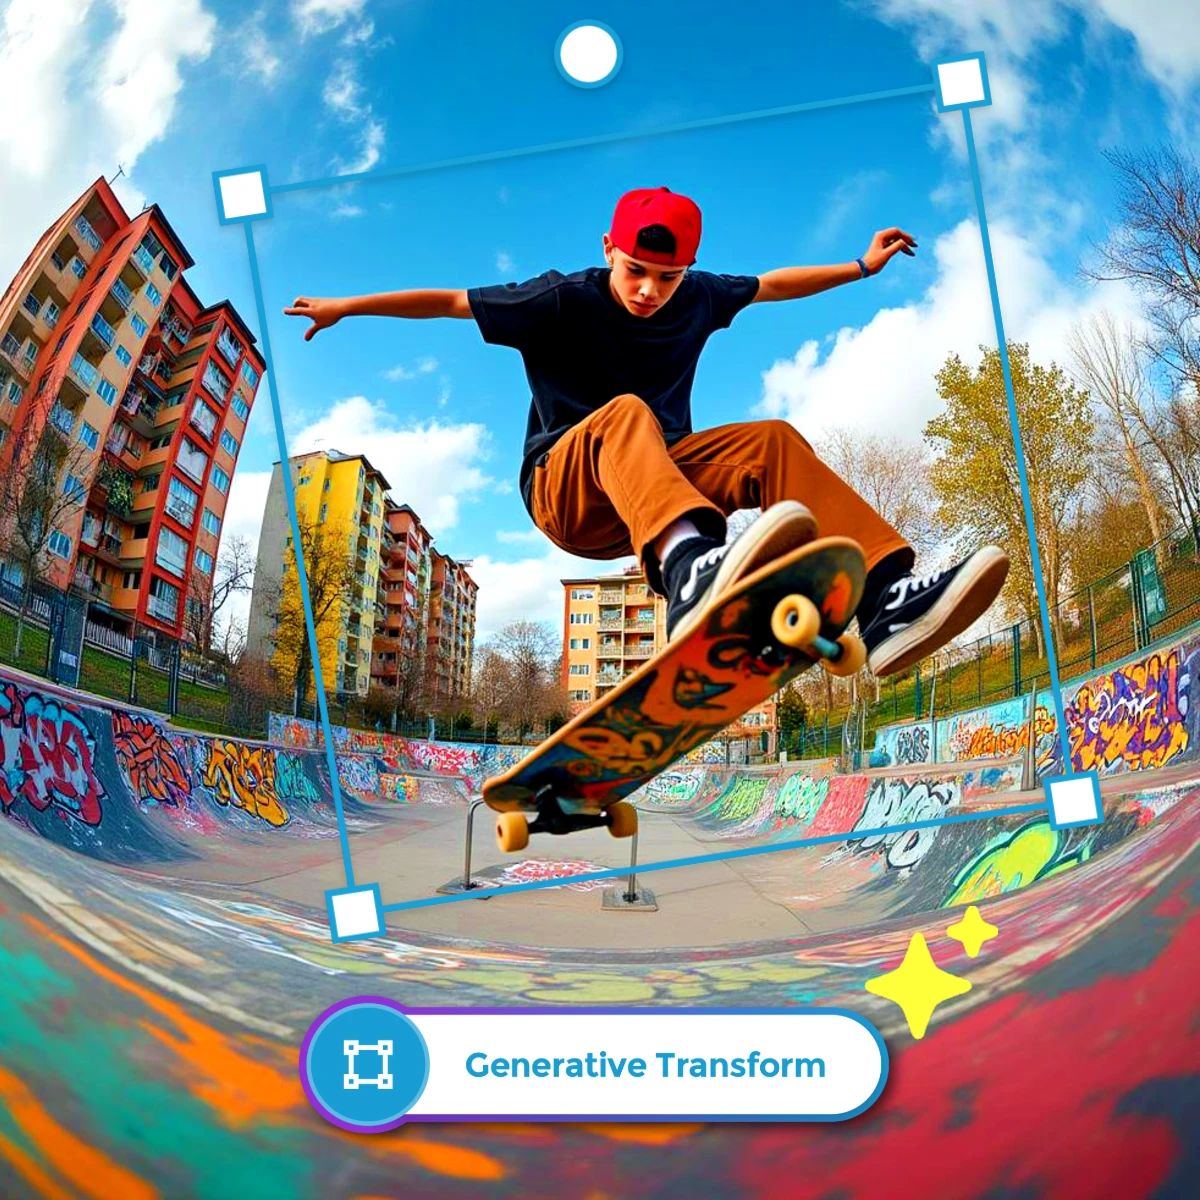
(657,206)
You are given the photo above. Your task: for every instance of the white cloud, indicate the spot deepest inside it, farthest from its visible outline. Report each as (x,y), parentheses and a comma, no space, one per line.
(529,589)
(259,56)
(534,537)
(433,467)
(880,377)
(399,372)
(83,89)
(504,262)
(347,210)
(314,17)
(342,95)
(427,364)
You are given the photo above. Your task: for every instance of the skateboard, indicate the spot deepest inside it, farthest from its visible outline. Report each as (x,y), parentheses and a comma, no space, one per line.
(748,643)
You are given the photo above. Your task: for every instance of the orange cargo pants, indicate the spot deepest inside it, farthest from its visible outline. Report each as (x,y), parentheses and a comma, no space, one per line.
(611,485)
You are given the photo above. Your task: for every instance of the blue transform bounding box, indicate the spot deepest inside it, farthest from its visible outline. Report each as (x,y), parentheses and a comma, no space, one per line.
(243,194)
(962,82)
(355,912)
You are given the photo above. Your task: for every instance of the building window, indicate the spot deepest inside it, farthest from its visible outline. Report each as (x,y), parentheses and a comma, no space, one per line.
(583,594)
(583,694)
(63,419)
(203,562)
(240,407)
(172,552)
(193,462)
(133,580)
(74,487)
(60,545)
(154,295)
(164,600)
(150,482)
(210,522)
(203,418)
(215,382)
(51,313)
(229,444)
(139,326)
(581,643)
(106,391)
(249,374)
(221,480)
(88,436)
(123,356)
(78,267)
(581,618)
(581,668)
(181,502)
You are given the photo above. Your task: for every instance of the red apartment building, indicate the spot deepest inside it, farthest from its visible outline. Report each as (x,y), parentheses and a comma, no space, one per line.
(103,338)
(428,609)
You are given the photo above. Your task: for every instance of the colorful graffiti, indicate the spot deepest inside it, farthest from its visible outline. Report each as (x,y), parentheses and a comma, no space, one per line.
(1014,860)
(901,745)
(798,798)
(903,802)
(672,787)
(535,870)
(1133,718)
(145,753)
(46,756)
(399,789)
(357,774)
(243,776)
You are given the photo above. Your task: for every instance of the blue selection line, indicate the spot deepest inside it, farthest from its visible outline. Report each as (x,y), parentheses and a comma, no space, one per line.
(1047,634)
(599,139)
(285,469)
(856,835)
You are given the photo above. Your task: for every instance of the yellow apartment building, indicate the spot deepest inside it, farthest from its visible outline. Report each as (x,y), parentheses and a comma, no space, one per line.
(346,498)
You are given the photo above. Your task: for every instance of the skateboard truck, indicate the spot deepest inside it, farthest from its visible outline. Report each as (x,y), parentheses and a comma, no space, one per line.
(796,623)
(513,828)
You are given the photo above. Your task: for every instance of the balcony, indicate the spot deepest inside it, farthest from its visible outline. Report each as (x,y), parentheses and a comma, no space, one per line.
(181,511)
(81,375)
(611,596)
(641,651)
(133,552)
(11,349)
(215,384)
(646,626)
(86,232)
(229,348)
(613,651)
(163,608)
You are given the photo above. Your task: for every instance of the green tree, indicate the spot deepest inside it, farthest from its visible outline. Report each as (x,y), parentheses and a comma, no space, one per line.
(791,714)
(975,473)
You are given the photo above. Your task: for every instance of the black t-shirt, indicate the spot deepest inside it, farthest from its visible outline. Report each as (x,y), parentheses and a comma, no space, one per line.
(581,347)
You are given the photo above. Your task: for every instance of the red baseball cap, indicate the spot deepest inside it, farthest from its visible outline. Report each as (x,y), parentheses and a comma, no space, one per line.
(657,206)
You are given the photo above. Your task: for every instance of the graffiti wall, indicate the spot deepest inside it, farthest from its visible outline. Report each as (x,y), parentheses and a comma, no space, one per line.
(900,745)
(123,786)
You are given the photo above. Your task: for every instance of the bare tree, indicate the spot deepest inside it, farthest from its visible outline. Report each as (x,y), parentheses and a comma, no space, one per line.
(208,595)
(45,487)
(1157,248)
(517,678)
(892,476)
(1110,364)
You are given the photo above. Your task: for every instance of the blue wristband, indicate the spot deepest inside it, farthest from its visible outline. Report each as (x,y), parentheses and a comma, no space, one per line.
(862,266)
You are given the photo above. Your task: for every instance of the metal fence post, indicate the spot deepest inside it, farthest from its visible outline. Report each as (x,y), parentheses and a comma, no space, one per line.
(1016,637)
(133,644)
(1092,621)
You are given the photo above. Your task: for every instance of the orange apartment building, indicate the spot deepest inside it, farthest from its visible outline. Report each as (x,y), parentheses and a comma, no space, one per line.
(427,608)
(102,338)
(612,624)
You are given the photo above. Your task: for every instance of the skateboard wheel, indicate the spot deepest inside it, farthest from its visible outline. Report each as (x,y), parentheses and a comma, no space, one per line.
(622,819)
(795,622)
(512,832)
(854,654)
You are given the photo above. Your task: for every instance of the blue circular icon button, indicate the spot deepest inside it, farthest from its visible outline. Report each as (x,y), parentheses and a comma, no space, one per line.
(364,1064)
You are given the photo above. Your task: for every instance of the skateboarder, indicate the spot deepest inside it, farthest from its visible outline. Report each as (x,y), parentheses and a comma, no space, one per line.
(611,462)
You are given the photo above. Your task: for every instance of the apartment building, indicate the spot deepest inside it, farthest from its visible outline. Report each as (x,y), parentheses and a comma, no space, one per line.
(428,611)
(450,642)
(343,498)
(106,349)
(406,570)
(611,625)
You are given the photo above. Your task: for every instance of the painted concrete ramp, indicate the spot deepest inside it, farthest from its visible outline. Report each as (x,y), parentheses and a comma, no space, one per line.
(163,947)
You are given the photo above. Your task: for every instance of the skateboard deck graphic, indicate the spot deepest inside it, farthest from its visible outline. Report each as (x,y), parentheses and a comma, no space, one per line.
(729,662)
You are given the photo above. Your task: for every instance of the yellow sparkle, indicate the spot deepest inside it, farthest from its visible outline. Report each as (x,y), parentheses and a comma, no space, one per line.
(972,931)
(918,985)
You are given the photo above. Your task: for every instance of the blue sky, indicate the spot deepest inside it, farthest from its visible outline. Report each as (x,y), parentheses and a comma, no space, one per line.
(319,87)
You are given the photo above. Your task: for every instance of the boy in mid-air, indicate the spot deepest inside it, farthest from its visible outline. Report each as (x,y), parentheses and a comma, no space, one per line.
(612,465)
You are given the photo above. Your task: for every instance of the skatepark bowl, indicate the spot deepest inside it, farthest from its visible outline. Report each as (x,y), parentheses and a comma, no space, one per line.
(164,945)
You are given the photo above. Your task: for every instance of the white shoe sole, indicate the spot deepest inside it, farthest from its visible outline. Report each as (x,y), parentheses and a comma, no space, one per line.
(971,594)
(783,527)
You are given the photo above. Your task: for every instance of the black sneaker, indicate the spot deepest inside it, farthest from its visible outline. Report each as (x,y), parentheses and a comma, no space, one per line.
(918,614)
(701,568)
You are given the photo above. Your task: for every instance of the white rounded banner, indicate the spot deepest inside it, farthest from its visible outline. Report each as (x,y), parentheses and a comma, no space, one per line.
(650,1064)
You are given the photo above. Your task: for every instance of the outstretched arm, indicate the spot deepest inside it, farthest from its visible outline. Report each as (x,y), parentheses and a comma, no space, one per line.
(417,302)
(790,283)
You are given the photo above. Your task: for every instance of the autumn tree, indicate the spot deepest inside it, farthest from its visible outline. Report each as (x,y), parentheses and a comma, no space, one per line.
(975,475)
(331,578)
(791,714)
